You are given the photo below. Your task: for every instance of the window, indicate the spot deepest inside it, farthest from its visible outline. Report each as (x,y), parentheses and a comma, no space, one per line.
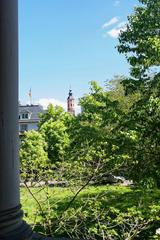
(24,115)
(23,127)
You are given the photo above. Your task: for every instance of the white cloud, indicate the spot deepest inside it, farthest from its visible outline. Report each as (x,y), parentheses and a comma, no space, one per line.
(121,24)
(46,101)
(112,21)
(114,32)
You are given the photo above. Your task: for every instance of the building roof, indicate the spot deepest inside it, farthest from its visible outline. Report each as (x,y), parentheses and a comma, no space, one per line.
(70,95)
(33,110)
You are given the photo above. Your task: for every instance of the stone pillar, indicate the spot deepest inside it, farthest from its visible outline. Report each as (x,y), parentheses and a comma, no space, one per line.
(12,227)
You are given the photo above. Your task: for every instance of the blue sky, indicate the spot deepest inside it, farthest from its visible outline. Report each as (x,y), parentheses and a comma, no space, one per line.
(65,43)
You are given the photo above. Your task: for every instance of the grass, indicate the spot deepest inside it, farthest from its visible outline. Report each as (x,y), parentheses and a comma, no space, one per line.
(60,197)
(52,203)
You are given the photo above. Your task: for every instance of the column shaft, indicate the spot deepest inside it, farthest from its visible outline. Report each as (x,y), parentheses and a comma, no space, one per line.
(11,224)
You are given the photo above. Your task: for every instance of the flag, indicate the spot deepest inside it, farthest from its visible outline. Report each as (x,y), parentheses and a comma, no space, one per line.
(30,93)
(30,96)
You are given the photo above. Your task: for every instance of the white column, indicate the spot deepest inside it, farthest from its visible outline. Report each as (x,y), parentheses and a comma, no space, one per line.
(12,227)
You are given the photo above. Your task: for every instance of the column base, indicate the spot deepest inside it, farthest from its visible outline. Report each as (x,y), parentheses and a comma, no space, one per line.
(23,232)
(12,227)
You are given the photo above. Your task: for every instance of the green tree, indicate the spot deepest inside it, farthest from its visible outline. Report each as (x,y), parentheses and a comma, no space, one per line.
(137,139)
(33,156)
(56,136)
(141,41)
(116,92)
(55,113)
(138,134)
(54,126)
(91,133)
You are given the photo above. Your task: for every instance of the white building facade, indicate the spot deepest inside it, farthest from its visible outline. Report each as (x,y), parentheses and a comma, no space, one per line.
(29,117)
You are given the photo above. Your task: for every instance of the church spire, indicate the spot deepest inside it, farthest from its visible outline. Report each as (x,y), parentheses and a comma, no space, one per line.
(70,103)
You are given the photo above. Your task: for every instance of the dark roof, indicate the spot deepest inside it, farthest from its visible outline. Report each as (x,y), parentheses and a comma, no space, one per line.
(70,95)
(34,110)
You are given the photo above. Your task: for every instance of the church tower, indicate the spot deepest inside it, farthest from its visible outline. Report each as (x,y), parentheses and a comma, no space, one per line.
(70,103)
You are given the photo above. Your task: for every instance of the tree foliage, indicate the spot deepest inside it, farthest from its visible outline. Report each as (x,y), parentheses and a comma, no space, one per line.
(91,132)
(139,132)
(54,128)
(33,156)
(141,41)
